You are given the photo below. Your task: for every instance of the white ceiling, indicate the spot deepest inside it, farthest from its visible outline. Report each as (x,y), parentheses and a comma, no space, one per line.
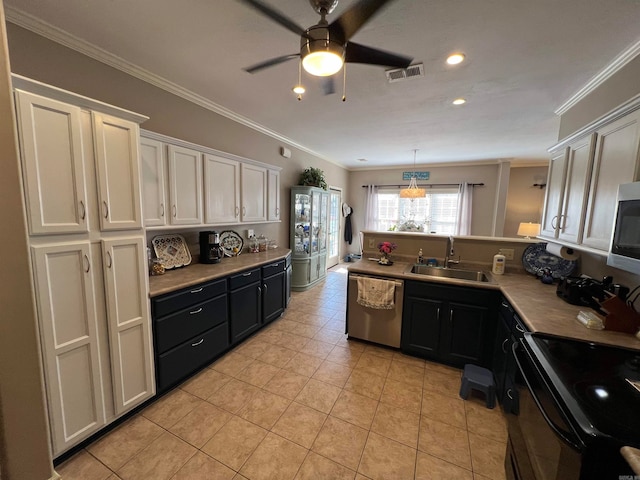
(525,59)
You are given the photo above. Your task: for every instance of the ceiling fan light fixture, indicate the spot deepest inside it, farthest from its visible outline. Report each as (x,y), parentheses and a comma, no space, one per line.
(322,63)
(299,89)
(459,101)
(455,58)
(413,191)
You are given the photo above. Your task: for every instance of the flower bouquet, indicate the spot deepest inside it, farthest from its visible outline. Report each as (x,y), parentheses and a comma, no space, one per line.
(385,249)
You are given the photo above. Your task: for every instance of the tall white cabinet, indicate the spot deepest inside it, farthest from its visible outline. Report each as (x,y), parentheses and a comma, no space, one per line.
(81,176)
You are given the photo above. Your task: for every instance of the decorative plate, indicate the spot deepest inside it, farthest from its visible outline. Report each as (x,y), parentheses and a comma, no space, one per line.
(171,250)
(536,258)
(230,240)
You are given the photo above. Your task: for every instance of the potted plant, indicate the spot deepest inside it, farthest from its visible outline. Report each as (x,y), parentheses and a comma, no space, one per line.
(313,177)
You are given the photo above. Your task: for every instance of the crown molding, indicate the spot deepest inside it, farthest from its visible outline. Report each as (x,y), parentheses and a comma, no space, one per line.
(55,34)
(605,74)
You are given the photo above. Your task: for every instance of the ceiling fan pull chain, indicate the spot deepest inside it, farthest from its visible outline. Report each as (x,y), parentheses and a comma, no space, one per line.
(344,82)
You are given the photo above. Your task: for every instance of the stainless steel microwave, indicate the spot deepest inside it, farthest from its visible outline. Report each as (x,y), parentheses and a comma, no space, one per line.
(625,244)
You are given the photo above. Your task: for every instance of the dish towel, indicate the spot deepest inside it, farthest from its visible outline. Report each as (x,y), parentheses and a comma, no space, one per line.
(376,293)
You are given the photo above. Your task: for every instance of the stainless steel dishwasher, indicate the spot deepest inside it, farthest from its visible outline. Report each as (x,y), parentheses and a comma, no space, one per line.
(378,326)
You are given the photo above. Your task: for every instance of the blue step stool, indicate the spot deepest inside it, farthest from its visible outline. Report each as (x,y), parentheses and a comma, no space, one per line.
(478,378)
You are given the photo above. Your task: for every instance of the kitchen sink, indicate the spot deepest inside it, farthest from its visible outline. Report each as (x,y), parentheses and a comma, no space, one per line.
(457,273)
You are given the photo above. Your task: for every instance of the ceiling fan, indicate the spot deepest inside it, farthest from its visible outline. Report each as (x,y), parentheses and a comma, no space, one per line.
(325,47)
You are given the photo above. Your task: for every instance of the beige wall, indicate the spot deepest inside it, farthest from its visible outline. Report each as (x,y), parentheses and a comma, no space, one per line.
(24,445)
(524,201)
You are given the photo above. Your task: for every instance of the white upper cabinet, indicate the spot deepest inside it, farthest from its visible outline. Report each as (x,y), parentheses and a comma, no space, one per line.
(153,182)
(185,185)
(615,162)
(221,190)
(53,164)
(117,167)
(254,193)
(273,195)
(553,197)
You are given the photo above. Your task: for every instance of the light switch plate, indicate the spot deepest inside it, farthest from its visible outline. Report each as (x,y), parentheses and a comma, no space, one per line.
(372,243)
(508,253)
(250,233)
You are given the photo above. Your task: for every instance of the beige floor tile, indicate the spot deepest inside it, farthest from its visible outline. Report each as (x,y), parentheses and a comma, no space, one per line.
(441,368)
(240,477)
(276,458)
(444,408)
(235,442)
(355,408)
(318,395)
(477,476)
(171,408)
(199,425)
(329,336)
(205,383)
(403,372)
(359,476)
(112,477)
(386,459)
(313,319)
(487,422)
(264,409)
(285,324)
(409,360)
(258,373)
(379,351)
(318,348)
(300,424)
(269,336)
(317,467)
(429,467)
(445,383)
(277,356)
(333,373)
(252,348)
(445,442)
(233,395)
(487,456)
(374,364)
(232,363)
(402,395)
(305,330)
(159,461)
(83,466)
(203,467)
(118,446)
(365,383)
(303,364)
(341,442)
(344,356)
(397,424)
(285,383)
(293,342)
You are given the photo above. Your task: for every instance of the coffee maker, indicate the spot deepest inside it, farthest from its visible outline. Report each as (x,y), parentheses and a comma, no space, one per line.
(210,249)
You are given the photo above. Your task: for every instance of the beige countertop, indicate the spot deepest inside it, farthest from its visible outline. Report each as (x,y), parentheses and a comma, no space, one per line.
(632,456)
(536,303)
(199,272)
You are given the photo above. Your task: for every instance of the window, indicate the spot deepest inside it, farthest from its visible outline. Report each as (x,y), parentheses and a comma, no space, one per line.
(436,213)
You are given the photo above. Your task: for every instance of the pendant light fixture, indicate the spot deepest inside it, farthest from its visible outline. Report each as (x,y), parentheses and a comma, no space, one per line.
(412,191)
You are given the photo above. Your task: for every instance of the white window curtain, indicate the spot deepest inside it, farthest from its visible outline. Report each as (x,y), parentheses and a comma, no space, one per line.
(371,208)
(465,205)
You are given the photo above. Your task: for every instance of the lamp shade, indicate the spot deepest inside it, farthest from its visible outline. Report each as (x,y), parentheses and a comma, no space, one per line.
(412,191)
(528,230)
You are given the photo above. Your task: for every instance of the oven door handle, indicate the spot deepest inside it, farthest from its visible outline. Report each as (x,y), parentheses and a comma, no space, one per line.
(553,426)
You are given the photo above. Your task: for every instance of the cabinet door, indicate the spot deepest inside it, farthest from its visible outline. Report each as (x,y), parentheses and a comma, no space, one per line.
(273,196)
(254,193)
(117,166)
(273,296)
(615,162)
(153,182)
(129,321)
(501,352)
(185,185)
(221,190)
(245,311)
(323,222)
(579,163)
(421,326)
(464,337)
(53,165)
(68,331)
(553,196)
(314,269)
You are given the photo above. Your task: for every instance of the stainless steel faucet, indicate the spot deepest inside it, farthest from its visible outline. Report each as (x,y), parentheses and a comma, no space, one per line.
(450,253)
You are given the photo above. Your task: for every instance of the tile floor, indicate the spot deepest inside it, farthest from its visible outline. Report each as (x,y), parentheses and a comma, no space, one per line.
(300,401)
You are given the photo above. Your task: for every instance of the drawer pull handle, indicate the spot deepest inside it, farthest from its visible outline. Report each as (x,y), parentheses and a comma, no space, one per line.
(197,290)
(451,316)
(247,274)
(84,211)
(519,328)
(162,209)
(438,313)
(504,343)
(106,209)
(197,343)
(195,311)
(509,394)
(86,259)
(505,304)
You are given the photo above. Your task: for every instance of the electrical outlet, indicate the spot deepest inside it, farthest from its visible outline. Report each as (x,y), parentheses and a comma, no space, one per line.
(372,243)
(250,233)
(508,253)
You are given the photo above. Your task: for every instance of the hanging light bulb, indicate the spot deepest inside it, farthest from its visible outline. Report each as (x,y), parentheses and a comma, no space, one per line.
(412,191)
(299,88)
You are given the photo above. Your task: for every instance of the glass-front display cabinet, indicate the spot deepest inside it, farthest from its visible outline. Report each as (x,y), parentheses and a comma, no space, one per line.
(309,210)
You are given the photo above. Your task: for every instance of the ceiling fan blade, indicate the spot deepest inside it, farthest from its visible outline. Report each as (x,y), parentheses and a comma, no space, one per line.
(328,86)
(270,63)
(276,16)
(355,17)
(357,53)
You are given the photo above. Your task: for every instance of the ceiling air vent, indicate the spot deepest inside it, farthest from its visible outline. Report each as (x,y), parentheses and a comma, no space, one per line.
(400,74)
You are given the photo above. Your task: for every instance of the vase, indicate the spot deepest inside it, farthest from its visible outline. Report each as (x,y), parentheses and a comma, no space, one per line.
(385,259)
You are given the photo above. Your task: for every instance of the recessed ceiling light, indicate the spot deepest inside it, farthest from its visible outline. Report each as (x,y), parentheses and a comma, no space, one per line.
(455,58)
(459,101)
(299,89)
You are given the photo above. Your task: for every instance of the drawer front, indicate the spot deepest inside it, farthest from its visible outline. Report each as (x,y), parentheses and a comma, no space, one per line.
(273,268)
(172,302)
(244,278)
(178,327)
(176,364)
